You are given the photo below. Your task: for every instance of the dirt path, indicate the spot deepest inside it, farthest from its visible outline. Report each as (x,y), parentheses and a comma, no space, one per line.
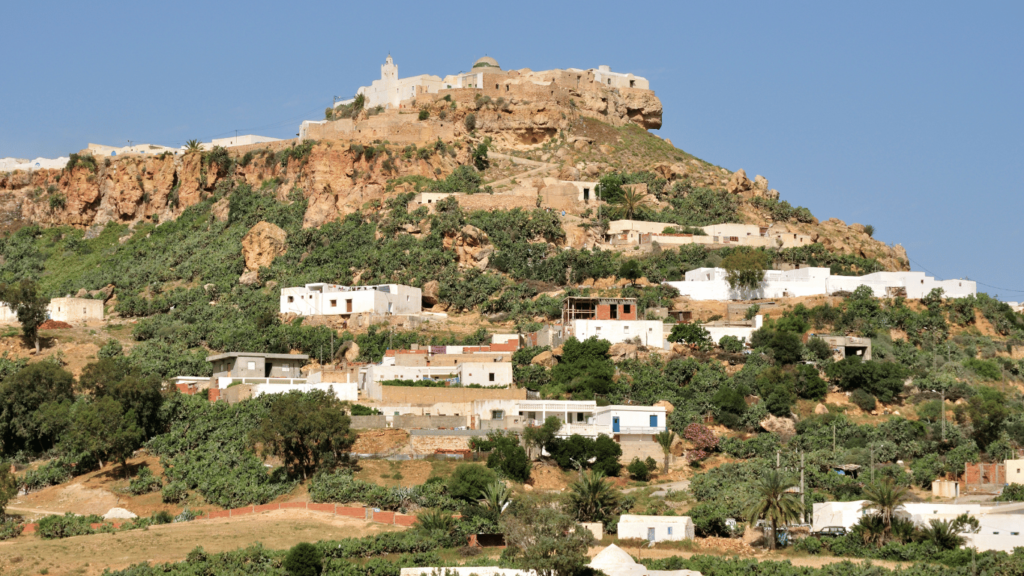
(32,513)
(542,167)
(90,555)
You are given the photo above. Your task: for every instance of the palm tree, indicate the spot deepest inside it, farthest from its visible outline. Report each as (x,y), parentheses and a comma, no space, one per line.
(591,499)
(942,533)
(193,146)
(632,202)
(665,439)
(884,498)
(771,502)
(495,496)
(435,521)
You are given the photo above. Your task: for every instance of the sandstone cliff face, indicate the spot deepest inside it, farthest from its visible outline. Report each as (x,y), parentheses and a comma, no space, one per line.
(132,189)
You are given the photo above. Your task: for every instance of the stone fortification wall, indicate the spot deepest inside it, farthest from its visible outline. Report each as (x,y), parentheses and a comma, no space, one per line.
(393,126)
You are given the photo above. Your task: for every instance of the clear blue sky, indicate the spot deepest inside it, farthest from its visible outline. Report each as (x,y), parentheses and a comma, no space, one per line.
(907,116)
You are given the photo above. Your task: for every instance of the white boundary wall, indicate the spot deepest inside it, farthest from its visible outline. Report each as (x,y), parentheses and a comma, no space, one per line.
(711,284)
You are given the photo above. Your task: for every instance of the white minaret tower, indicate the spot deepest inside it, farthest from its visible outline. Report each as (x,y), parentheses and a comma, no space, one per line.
(388,71)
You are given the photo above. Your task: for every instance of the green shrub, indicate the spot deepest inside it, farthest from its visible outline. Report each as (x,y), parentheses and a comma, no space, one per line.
(54,527)
(470,122)
(819,349)
(507,456)
(360,410)
(864,400)
(144,483)
(469,480)
(1012,493)
(926,469)
(424,114)
(58,201)
(731,344)
(342,487)
(638,470)
(691,333)
(206,448)
(174,493)
(304,559)
(986,369)
(161,517)
(49,474)
(10,528)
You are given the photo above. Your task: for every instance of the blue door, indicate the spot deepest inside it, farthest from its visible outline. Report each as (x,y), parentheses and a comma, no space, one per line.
(615,423)
(654,421)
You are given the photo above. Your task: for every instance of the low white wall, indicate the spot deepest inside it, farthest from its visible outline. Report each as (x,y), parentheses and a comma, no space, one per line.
(710,284)
(741,332)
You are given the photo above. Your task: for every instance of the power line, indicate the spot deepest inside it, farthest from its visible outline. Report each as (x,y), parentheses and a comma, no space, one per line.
(975,281)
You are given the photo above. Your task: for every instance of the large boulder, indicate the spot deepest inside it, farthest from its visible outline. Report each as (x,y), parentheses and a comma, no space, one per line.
(430,293)
(262,244)
(470,246)
(119,514)
(545,359)
(669,408)
(820,409)
(622,351)
(739,183)
(781,426)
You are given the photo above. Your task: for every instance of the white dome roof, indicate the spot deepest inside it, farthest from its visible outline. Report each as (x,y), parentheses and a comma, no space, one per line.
(486,61)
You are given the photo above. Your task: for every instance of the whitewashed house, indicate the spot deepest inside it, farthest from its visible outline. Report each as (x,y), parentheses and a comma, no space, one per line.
(630,420)
(650,332)
(655,528)
(328,299)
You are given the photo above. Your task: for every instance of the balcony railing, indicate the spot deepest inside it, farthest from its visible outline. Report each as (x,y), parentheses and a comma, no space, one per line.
(225,381)
(638,430)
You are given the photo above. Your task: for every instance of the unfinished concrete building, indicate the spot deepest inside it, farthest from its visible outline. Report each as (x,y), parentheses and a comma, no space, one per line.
(846,346)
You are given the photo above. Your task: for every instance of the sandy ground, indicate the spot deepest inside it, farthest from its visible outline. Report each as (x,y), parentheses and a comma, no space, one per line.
(90,555)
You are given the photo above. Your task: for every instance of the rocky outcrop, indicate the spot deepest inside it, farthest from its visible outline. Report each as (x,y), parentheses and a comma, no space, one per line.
(739,183)
(470,245)
(669,408)
(131,189)
(262,244)
(622,351)
(430,293)
(545,359)
(781,426)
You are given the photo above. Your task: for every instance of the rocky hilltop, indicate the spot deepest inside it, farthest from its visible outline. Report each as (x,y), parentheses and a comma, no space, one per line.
(534,136)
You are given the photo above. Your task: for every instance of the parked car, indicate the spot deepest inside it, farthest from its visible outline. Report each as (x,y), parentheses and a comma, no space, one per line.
(830,531)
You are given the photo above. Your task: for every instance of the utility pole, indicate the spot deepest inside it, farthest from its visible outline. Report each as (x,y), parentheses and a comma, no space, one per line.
(803,508)
(778,459)
(872,462)
(943,415)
